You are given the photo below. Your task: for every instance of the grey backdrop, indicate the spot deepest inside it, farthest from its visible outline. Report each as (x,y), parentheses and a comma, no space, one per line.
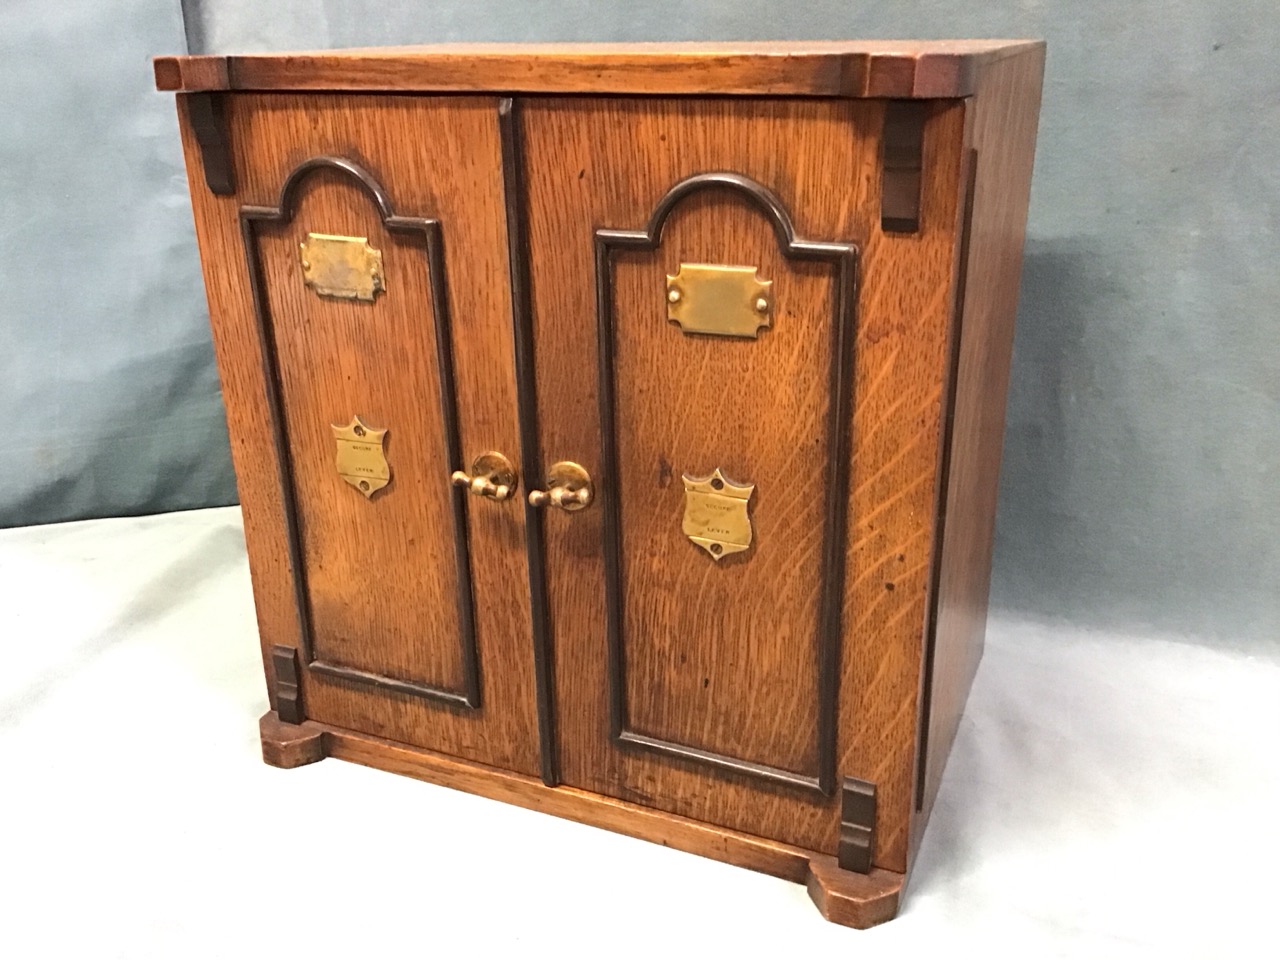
(1140,477)
(107,388)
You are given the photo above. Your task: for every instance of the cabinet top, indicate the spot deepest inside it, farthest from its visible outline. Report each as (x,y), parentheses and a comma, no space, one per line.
(869,68)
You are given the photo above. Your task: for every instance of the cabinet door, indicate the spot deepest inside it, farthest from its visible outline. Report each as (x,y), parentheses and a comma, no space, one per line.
(698,604)
(358,282)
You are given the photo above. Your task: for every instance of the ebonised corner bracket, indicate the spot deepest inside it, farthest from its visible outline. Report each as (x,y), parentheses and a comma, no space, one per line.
(208,112)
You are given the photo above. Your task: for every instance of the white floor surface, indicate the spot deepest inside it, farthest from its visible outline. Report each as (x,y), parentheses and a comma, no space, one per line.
(1108,796)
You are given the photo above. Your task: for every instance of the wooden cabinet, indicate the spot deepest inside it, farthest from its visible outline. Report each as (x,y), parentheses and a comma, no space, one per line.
(738,320)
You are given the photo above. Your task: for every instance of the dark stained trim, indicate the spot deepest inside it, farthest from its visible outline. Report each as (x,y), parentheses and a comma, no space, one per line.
(857,844)
(720,761)
(944,481)
(208,115)
(902,165)
(383,682)
(430,231)
(844,256)
(288,689)
(513,184)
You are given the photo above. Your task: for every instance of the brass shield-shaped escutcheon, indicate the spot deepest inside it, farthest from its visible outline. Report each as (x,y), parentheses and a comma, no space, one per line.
(361,460)
(715,514)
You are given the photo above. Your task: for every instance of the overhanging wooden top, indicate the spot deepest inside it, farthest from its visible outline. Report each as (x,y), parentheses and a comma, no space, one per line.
(872,68)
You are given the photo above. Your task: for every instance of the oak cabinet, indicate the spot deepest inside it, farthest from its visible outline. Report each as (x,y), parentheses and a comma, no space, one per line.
(617,428)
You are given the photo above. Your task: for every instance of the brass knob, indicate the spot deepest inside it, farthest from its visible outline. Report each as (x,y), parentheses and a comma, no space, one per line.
(492,476)
(568,488)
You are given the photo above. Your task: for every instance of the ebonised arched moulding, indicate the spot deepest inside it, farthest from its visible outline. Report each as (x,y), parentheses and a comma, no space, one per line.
(826,631)
(679,464)
(430,233)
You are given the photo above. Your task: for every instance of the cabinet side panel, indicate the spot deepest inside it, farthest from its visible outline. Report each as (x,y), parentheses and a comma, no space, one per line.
(244,393)
(1005,113)
(904,319)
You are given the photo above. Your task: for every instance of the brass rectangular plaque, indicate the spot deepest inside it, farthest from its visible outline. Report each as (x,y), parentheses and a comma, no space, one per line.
(715,514)
(361,460)
(344,267)
(718,300)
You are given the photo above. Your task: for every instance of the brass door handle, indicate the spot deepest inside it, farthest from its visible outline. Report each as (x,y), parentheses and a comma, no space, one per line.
(492,476)
(568,488)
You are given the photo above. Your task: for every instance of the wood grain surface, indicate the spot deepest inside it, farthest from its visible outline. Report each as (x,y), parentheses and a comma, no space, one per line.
(605,163)
(380,575)
(906,309)
(703,637)
(1003,135)
(380,572)
(876,68)
(289,745)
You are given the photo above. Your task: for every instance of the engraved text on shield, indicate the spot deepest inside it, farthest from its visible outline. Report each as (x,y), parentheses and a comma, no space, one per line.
(715,514)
